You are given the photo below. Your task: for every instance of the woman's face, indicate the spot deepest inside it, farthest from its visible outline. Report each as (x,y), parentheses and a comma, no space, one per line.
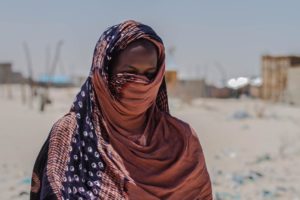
(139,57)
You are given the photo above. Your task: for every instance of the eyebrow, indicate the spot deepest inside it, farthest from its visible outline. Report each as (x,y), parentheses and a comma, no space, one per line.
(154,68)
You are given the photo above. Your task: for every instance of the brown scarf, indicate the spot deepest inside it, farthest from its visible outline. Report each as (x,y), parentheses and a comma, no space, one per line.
(162,155)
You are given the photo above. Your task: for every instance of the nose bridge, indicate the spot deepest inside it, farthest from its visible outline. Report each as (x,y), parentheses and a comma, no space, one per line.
(142,68)
(142,72)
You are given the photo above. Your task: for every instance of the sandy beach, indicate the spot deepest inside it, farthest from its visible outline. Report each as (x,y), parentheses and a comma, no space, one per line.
(252,148)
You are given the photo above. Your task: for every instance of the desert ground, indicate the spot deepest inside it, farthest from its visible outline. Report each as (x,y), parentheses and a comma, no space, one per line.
(252,148)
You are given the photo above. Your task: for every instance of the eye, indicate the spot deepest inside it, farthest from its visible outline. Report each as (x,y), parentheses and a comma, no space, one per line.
(150,75)
(131,69)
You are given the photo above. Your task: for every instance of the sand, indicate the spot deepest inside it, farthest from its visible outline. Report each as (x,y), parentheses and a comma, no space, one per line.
(252,148)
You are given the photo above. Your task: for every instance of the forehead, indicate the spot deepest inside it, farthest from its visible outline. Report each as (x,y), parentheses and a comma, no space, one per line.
(146,44)
(138,51)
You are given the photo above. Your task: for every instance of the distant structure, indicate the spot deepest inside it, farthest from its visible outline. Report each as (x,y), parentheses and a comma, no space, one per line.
(190,86)
(292,94)
(281,77)
(255,87)
(171,78)
(172,69)
(5,73)
(8,76)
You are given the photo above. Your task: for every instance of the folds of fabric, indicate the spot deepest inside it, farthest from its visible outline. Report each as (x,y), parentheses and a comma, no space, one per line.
(123,146)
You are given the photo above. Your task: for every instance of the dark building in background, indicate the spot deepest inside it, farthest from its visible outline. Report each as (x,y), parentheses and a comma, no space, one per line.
(7,75)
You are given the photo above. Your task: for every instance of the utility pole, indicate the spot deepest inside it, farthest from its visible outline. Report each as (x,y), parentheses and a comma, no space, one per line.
(30,74)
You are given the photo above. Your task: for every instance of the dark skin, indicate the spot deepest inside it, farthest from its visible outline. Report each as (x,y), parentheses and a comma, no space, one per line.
(139,57)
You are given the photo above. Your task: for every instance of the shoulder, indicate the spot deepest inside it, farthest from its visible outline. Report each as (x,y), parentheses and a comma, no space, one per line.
(171,120)
(65,123)
(178,124)
(181,126)
(59,147)
(62,130)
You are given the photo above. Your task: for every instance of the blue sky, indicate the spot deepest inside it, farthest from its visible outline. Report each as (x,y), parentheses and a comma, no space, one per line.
(207,34)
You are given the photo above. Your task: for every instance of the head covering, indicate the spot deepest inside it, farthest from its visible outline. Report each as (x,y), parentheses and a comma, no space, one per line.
(119,140)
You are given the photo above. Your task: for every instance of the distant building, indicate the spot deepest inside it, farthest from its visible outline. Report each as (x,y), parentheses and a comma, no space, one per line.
(171,78)
(172,69)
(275,75)
(292,94)
(255,88)
(5,73)
(219,92)
(190,89)
(255,91)
(55,80)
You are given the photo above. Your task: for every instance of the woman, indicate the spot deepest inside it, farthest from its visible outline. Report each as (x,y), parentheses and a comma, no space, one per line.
(119,141)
